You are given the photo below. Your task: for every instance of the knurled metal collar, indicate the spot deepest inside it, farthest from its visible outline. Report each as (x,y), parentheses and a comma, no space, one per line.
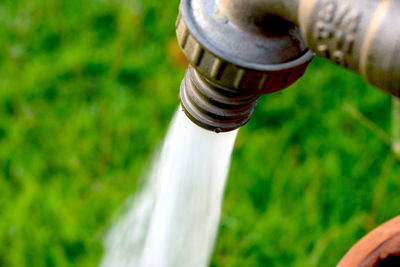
(239,61)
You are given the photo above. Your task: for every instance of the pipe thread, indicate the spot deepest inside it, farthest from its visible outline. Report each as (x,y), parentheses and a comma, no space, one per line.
(212,107)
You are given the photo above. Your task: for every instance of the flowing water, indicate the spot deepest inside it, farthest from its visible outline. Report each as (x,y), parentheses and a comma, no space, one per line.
(174,220)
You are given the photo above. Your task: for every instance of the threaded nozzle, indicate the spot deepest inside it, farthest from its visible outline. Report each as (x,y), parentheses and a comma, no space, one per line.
(230,67)
(212,107)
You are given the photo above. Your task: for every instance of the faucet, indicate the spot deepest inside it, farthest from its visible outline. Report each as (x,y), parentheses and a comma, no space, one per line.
(239,50)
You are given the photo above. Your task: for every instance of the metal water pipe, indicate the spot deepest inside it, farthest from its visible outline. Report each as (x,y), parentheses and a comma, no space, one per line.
(241,49)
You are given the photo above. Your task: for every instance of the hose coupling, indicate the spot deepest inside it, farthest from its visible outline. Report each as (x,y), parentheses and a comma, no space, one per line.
(231,68)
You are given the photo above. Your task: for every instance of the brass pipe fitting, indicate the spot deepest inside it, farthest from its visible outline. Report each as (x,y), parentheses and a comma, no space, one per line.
(360,35)
(242,49)
(232,67)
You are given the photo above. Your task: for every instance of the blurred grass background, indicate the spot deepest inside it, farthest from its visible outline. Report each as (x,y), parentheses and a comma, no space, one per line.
(87,90)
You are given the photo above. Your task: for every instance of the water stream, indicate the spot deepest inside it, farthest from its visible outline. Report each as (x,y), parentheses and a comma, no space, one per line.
(173,221)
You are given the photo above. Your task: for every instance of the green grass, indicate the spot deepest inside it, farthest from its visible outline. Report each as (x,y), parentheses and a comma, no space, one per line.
(87,90)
